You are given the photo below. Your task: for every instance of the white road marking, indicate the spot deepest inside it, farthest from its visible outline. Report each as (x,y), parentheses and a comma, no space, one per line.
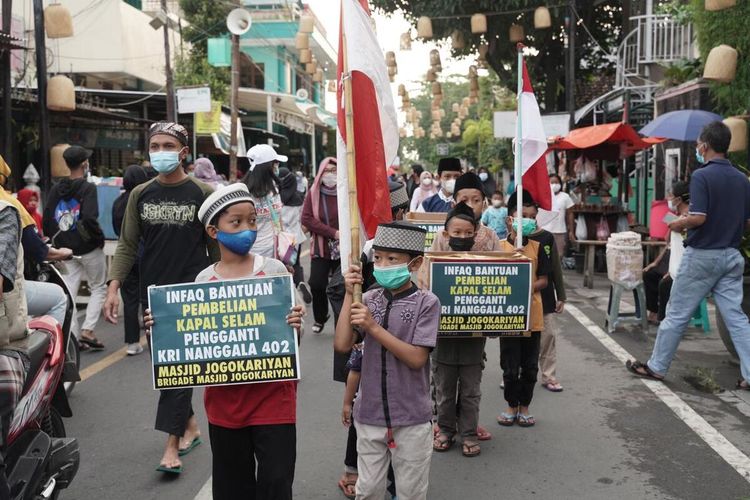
(721,445)
(206,492)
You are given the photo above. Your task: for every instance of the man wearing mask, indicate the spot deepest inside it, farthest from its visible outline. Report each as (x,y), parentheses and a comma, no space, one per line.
(560,221)
(77,196)
(162,215)
(712,262)
(449,169)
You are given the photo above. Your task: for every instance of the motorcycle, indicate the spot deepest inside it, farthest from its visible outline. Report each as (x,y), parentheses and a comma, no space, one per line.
(40,460)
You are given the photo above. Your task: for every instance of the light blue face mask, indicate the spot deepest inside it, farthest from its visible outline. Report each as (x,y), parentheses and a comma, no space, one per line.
(392,277)
(165,162)
(528,225)
(698,156)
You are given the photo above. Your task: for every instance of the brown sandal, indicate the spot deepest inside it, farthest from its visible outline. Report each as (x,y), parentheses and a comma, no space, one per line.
(471,449)
(442,442)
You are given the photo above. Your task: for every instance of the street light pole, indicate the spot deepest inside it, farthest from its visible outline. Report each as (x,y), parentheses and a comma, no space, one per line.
(234,104)
(41,91)
(7,136)
(171,115)
(571,68)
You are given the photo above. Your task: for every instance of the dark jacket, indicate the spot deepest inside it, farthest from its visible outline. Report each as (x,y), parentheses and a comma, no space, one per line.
(322,230)
(133,176)
(86,235)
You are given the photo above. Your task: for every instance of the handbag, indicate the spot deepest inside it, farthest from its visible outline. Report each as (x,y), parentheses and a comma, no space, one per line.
(334,248)
(285,243)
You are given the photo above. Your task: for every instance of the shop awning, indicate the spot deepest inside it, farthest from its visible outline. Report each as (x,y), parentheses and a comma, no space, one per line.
(610,141)
(286,109)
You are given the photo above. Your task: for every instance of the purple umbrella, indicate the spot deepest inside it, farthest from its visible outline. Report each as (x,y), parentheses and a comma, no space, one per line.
(683,125)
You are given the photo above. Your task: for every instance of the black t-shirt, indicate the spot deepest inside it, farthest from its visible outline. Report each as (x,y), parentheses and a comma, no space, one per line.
(546,242)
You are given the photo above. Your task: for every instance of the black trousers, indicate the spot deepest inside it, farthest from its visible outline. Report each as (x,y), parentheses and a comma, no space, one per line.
(665,289)
(651,280)
(519,359)
(299,273)
(131,304)
(237,451)
(320,271)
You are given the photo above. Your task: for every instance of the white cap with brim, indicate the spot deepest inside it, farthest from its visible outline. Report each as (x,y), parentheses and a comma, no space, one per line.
(222,198)
(263,153)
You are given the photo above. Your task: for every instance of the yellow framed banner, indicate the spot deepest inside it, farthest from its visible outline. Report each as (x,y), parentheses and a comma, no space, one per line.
(430,222)
(482,293)
(223,332)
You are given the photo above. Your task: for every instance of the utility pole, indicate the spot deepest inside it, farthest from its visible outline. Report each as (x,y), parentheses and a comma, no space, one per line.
(7,135)
(171,115)
(41,91)
(570,80)
(234,97)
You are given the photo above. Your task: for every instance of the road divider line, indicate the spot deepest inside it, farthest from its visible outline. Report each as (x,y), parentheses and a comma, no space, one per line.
(206,492)
(110,360)
(713,438)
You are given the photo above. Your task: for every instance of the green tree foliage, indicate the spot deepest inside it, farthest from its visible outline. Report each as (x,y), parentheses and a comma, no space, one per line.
(603,18)
(730,27)
(207,20)
(476,143)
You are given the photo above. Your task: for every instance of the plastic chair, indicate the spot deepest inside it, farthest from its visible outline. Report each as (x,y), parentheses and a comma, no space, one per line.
(700,317)
(613,310)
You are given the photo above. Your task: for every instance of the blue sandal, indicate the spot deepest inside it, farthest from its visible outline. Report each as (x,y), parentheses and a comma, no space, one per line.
(507,419)
(526,420)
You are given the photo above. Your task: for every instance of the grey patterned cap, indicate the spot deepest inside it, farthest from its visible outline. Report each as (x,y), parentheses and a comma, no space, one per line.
(400,237)
(222,198)
(399,196)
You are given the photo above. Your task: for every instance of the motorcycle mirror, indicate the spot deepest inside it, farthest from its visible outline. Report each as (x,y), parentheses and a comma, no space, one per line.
(66,222)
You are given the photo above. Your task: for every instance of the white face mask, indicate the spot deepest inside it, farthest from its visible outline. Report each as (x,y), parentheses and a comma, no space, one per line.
(497,203)
(483,176)
(672,205)
(427,182)
(449,186)
(556,188)
(329,179)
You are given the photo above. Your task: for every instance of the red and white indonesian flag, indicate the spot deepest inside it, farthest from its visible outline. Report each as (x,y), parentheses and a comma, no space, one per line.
(375,125)
(534,178)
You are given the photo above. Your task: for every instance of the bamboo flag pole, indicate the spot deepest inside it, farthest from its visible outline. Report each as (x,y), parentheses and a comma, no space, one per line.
(351,164)
(519,154)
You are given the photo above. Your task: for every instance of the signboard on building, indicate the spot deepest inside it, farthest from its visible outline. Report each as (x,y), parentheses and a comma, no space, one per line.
(292,122)
(210,122)
(193,100)
(443,148)
(554,124)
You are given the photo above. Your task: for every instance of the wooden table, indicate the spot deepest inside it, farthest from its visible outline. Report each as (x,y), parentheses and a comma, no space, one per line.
(589,252)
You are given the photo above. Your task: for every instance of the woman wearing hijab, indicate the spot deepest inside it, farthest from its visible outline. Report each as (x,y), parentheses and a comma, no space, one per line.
(489,186)
(291,219)
(204,171)
(425,189)
(30,201)
(320,215)
(134,175)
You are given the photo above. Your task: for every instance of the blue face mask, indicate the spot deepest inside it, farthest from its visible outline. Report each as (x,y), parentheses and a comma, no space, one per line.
(392,277)
(698,156)
(239,243)
(165,162)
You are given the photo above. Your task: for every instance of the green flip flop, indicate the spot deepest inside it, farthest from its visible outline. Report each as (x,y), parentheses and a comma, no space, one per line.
(169,470)
(196,442)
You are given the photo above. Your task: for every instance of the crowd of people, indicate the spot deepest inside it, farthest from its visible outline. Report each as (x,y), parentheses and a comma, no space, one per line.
(407,393)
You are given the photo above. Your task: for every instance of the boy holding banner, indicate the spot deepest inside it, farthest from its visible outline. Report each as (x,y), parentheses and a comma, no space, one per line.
(399,323)
(247,422)
(519,356)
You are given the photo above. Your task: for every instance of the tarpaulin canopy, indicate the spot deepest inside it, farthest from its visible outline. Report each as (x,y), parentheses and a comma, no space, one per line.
(610,141)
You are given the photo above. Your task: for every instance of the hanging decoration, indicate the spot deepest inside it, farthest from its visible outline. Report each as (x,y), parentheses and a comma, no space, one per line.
(714,5)
(516,33)
(405,41)
(306,23)
(457,40)
(302,41)
(61,94)
(478,24)
(305,56)
(542,18)
(738,127)
(424,28)
(721,64)
(58,22)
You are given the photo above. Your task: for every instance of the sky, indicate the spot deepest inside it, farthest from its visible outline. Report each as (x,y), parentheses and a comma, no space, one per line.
(412,64)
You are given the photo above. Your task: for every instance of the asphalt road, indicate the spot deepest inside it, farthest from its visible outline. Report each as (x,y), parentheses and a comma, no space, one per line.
(607,435)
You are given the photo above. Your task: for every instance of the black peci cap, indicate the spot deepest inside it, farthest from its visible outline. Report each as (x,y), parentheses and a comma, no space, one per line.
(75,155)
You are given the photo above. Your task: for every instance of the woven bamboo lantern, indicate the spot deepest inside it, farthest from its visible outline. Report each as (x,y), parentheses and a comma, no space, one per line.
(465,102)
(58,166)
(457,40)
(474,84)
(721,64)
(715,5)
(431,75)
(438,68)
(401,89)
(473,93)
(305,56)
(311,67)
(302,41)
(424,27)
(738,127)
(478,24)
(442,113)
(435,58)
(402,132)
(483,49)
(455,129)
(516,33)
(61,94)
(57,21)
(542,18)
(437,89)
(318,76)
(455,107)
(472,71)
(331,85)
(405,41)
(392,71)
(436,115)
(306,23)
(437,101)
(390,58)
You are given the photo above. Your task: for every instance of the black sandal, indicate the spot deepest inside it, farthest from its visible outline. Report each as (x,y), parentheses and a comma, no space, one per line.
(742,384)
(93,343)
(633,366)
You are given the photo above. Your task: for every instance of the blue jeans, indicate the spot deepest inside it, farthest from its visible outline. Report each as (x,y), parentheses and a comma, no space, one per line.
(46,298)
(702,272)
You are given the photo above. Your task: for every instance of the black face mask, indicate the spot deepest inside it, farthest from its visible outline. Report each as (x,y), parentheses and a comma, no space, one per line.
(461,244)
